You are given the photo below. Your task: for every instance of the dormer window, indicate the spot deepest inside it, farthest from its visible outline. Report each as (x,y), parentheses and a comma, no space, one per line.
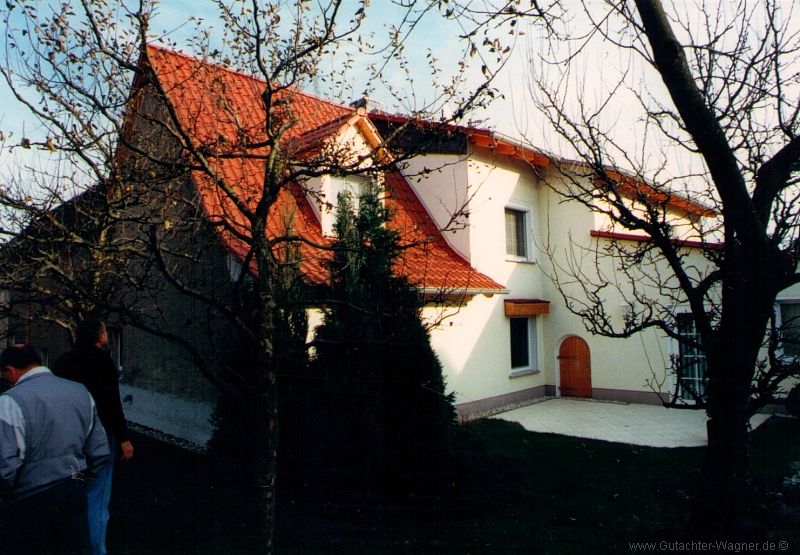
(324,196)
(353,185)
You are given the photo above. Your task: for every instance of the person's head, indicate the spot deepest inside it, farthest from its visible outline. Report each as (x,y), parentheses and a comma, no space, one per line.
(16,360)
(91,333)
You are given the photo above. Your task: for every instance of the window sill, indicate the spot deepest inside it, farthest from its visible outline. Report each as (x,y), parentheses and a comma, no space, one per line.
(520,260)
(520,373)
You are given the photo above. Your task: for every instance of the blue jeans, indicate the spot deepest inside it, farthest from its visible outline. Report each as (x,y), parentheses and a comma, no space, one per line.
(98,496)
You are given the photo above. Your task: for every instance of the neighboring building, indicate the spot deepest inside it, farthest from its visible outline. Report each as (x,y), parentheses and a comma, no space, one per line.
(504,334)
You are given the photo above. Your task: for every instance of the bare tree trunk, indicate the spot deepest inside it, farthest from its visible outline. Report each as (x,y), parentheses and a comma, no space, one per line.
(265,470)
(732,358)
(722,493)
(265,411)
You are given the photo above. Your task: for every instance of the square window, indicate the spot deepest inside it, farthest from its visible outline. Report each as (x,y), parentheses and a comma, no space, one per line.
(790,329)
(352,185)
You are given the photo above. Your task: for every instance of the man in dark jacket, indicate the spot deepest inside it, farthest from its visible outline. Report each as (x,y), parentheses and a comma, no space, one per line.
(51,445)
(90,364)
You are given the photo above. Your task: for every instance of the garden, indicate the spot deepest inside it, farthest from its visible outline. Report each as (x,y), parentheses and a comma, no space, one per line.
(507,491)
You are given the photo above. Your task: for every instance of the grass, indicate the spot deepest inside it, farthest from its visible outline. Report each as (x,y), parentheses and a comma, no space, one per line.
(511,491)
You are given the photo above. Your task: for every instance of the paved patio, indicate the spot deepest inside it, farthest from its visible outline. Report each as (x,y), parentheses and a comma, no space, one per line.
(649,425)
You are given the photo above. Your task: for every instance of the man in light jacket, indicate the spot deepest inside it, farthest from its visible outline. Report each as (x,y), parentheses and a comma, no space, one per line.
(52,445)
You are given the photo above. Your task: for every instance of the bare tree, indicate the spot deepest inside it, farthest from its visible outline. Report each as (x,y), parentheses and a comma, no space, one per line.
(712,95)
(114,228)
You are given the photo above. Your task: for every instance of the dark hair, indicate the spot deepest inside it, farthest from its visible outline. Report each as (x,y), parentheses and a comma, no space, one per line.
(20,356)
(88,332)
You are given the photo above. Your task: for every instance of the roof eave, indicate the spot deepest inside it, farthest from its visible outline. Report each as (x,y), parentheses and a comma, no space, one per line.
(465,292)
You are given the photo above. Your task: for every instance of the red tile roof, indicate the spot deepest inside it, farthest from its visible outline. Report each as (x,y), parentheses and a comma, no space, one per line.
(630,186)
(222,108)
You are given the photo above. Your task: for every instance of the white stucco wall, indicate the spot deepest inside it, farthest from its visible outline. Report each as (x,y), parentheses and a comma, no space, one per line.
(473,347)
(441,183)
(473,343)
(497,182)
(638,363)
(685,227)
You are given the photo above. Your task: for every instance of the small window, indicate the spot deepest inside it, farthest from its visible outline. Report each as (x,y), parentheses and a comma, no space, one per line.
(523,344)
(352,185)
(234,267)
(516,233)
(790,329)
(115,345)
(692,364)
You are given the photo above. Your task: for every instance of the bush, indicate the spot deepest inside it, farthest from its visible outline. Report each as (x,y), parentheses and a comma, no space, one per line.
(385,407)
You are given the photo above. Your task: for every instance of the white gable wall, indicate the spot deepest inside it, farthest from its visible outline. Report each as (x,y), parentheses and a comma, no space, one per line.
(322,192)
(473,342)
(441,182)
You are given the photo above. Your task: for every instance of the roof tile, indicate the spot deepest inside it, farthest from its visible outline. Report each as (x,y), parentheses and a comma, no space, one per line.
(222,109)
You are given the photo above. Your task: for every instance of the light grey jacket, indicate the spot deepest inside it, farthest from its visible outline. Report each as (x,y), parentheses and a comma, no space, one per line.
(49,432)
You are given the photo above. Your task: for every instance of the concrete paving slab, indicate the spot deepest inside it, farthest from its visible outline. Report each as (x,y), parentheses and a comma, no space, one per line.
(634,424)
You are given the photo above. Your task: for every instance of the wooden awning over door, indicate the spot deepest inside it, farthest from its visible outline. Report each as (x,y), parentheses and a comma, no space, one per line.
(521,308)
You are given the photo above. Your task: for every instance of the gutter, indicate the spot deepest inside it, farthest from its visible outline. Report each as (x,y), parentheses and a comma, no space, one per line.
(465,292)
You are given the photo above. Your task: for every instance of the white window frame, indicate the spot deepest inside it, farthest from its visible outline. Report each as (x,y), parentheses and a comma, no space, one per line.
(332,185)
(532,346)
(699,360)
(352,184)
(527,211)
(115,345)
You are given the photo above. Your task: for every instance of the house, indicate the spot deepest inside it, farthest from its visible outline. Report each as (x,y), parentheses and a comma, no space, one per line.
(525,343)
(481,214)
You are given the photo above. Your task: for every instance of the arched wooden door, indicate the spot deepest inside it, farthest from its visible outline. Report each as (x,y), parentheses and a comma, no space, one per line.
(575,363)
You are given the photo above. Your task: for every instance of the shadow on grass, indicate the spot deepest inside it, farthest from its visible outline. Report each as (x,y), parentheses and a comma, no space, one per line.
(509,491)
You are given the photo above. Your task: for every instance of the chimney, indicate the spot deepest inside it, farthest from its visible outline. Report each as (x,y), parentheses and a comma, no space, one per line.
(369,105)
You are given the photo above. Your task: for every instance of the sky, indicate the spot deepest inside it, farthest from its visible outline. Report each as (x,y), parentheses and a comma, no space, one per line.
(435,37)
(512,113)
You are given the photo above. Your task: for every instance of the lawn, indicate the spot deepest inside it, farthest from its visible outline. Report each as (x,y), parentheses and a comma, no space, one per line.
(511,491)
